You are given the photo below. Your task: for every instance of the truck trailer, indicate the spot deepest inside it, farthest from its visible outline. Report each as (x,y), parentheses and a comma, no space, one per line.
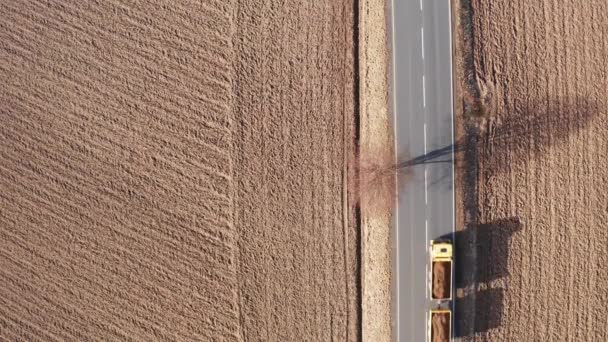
(440,325)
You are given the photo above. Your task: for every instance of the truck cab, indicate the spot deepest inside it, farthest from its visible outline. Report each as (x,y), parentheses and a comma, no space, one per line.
(441,269)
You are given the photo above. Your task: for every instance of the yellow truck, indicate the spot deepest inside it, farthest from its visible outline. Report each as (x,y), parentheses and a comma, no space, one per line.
(440,325)
(441,270)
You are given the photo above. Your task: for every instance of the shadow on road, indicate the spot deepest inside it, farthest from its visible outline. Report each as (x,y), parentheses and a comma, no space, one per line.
(503,143)
(490,148)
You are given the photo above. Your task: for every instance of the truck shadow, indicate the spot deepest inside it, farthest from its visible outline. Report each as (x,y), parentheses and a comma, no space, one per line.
(487,246)
(491,251)
(490,148)
(488,305)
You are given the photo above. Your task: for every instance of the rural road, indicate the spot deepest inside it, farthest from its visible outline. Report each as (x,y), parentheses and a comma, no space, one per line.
(422,85)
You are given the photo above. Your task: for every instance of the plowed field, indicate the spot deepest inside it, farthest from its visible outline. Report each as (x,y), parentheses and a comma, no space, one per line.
(533,171)
(177,170)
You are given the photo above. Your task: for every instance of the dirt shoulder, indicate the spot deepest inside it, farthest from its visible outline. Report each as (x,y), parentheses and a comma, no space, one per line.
(375,172)
(533,133)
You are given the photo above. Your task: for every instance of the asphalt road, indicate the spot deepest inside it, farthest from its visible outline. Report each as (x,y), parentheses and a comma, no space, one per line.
(424,135)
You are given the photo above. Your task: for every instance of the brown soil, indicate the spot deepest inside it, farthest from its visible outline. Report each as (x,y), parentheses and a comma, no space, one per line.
(297,255)
(440,328)
(376,180)
(178,170)
(441,280)
(534,125)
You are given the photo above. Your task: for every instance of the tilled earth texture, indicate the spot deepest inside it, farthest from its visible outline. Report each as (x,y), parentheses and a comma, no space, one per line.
(177,170)
(533,259)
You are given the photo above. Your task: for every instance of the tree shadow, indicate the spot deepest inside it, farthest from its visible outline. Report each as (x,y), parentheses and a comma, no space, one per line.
(490,147)
(503,143)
